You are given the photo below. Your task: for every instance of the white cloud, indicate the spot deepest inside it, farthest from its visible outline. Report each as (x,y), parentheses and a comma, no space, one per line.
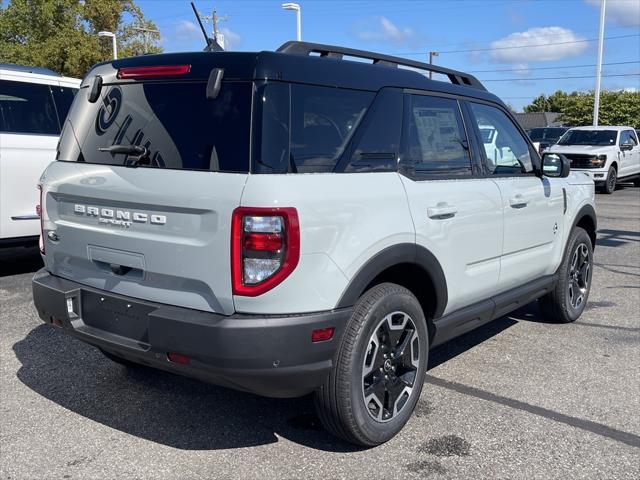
(381,29)
(625,13)
(231,39)
(552,43)
(521,69)
(186,31)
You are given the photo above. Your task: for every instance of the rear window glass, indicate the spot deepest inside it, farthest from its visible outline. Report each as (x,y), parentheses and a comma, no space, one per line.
(304,128)
(27,108)
(179,126)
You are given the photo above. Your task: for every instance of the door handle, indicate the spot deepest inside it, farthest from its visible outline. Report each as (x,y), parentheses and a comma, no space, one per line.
(442,211)
(518,201)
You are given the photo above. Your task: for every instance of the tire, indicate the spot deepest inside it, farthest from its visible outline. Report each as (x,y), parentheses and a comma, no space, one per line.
(383,315)
(636,182)
(568,299)
(610,183)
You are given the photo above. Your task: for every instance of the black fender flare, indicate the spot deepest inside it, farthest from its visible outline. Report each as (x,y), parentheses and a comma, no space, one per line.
(587,211)
(397,254)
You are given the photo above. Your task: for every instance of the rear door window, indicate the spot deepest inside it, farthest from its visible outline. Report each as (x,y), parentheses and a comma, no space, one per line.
(175,121)
(27,108)
(434,138)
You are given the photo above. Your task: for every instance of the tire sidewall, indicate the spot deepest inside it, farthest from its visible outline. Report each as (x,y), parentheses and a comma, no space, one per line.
(612,174)
(379,432)
(579,236)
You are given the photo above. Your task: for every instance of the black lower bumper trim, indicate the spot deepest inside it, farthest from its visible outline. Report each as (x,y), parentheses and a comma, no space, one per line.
(270,355)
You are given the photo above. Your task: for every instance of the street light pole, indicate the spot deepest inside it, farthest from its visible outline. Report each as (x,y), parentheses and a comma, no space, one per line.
(431,55)
(596,96)
(296,8)
(113,42)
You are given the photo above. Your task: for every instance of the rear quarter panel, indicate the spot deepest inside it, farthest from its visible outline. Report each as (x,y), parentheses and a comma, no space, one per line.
(345,219)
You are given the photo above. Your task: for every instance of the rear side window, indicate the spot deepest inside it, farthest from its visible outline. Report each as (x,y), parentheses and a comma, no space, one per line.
(377,144)
(27,108)
(322,122)
(175,121)
(304,128)
(434,138)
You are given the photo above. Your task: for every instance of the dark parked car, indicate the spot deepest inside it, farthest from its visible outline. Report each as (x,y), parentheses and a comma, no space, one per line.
(543,138)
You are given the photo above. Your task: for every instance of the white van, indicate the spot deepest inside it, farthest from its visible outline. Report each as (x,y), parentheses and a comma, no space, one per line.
(33,106)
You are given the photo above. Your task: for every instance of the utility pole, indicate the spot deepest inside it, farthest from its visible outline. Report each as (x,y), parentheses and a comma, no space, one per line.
(431,55)
(144,31)
(596,96)
(215,19)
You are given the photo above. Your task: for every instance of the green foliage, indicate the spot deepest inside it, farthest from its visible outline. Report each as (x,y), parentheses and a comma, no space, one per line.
(62,34)
(576,108)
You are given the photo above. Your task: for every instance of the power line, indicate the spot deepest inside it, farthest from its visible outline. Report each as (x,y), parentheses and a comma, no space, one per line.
(521,46)
(559,67)
(557,78)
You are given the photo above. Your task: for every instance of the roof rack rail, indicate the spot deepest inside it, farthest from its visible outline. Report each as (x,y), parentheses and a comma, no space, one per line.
(305,48)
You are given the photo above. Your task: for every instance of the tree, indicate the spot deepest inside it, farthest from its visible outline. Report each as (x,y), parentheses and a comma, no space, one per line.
(62,34)
(576,108)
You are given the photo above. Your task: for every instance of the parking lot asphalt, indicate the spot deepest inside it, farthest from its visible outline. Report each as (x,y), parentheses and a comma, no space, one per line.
(519,398)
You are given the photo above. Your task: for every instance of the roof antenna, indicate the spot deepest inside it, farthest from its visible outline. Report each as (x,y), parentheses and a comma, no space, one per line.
(212,45)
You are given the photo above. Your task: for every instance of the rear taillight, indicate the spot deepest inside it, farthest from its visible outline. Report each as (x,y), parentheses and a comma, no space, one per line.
(40,212)
(159,71)
(265,248)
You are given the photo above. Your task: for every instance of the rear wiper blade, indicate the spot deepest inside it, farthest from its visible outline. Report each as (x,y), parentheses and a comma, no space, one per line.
(141,152)
(126,149)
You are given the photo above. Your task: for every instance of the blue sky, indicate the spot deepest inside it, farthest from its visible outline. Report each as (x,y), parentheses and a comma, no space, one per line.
(490,38)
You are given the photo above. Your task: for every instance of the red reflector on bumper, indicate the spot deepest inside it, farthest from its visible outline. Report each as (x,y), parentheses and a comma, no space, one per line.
(178,358)
(322,334)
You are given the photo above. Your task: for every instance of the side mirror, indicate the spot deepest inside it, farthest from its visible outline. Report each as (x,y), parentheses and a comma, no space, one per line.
(555,165)
(626,146)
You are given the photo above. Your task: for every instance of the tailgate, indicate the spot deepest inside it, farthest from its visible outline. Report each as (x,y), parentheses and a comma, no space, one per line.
(155,234)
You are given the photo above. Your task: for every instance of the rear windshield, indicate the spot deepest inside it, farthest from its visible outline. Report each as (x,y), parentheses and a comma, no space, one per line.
(175,121)
(589,137)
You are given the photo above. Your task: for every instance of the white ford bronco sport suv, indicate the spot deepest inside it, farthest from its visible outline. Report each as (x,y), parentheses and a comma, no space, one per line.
(293,222)
(606,154)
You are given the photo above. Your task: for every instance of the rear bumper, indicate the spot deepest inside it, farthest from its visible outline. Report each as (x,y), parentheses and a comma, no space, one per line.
(270,355)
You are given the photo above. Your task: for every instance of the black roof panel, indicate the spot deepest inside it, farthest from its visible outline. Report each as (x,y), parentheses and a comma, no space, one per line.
(325,70)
